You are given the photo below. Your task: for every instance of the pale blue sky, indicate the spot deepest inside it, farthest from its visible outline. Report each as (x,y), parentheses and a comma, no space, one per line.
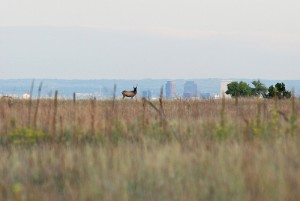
(90,39)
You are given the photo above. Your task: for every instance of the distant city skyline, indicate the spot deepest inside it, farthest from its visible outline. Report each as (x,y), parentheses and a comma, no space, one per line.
(159,39)
(105,88)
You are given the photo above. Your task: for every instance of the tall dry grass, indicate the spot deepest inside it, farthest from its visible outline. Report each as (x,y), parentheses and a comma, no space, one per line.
(127,150)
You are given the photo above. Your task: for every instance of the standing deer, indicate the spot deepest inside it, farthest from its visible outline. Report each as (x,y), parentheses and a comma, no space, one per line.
(130,93)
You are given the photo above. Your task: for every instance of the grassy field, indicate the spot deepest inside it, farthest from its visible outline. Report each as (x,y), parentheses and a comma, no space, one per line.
(54,150)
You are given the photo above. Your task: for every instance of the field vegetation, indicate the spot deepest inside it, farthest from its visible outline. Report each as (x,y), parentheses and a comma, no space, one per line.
(53,149)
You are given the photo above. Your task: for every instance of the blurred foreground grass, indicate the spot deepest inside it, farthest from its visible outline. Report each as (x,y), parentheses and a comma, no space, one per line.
(127,150)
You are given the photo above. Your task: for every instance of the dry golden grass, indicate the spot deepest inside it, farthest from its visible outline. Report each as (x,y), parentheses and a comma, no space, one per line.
(127,150)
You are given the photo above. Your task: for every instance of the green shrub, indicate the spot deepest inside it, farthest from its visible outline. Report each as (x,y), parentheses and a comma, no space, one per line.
(25,136)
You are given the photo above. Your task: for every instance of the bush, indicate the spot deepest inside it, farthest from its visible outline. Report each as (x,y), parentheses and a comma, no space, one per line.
(25,136)
(278,91)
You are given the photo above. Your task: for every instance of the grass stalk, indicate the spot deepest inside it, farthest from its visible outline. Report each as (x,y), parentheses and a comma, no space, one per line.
(293,117)
(30,104)
(55,104)
(92,112)
(37,105)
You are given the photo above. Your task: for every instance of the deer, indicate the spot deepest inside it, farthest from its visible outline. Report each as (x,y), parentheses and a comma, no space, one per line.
(129,93)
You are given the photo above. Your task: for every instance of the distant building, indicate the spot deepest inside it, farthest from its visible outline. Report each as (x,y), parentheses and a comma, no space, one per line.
(224,88)
(170,89)
(205,96)
(190,89)
(216,96)
(147,94)
(26,96)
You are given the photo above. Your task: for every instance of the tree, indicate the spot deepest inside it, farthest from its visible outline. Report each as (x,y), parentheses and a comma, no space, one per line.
(271,92)
(237,89)
(259,89)
(278,91)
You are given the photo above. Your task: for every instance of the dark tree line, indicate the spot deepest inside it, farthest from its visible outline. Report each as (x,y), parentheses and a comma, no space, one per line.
(242,89)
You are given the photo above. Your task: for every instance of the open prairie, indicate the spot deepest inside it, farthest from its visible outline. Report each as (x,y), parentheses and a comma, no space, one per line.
(246,149)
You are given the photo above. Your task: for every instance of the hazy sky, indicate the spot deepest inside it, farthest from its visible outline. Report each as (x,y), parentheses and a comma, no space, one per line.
(150,39)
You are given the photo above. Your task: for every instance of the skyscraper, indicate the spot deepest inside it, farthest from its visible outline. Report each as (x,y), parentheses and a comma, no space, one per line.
(170,89)
(190,89)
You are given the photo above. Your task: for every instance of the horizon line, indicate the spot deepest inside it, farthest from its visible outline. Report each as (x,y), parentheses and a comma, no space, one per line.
(124,79)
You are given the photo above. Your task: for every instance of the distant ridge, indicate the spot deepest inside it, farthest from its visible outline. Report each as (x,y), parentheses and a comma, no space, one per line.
(103,88)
